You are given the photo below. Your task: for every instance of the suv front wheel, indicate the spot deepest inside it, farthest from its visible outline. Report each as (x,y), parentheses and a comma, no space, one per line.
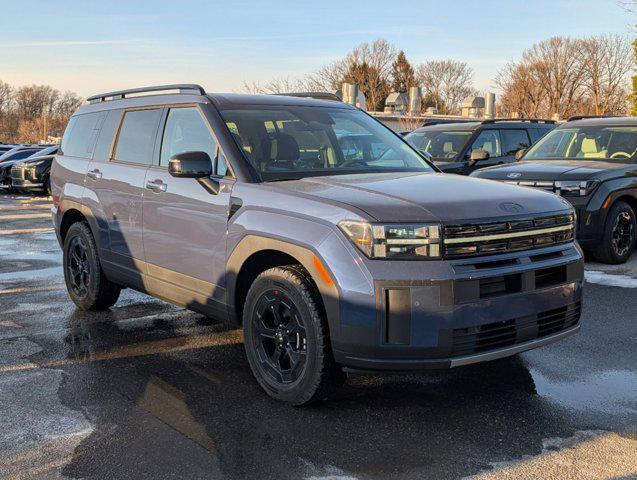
(620,229)
(86,283)
(286,337)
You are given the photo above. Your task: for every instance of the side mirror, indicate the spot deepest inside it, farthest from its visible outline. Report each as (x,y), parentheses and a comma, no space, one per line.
(478,155)
(520,153)
(190,165)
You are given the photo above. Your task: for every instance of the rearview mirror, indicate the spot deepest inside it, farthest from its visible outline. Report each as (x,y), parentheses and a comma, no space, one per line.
(520,153)
(190,165)
(478,155)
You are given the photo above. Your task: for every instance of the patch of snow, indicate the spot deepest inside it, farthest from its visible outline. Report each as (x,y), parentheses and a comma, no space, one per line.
(610,280)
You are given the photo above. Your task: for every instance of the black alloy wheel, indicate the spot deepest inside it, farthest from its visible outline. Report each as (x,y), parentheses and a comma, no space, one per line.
(79,268)
(623,234)
(286,337)
(279,337)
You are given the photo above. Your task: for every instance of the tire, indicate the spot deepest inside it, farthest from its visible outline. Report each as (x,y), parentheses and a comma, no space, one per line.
(291,322)
(86,283)
(618,241)
(47,187)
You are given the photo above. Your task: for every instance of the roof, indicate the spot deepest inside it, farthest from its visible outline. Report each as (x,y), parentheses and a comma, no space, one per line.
(227,100)
(601,121)
(220,100)
(450,126)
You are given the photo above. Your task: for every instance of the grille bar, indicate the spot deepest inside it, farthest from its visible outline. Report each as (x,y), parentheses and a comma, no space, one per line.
(461,241)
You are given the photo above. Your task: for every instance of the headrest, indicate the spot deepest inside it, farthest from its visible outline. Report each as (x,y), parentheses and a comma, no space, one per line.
(447,147)
(589,145)
(282,147)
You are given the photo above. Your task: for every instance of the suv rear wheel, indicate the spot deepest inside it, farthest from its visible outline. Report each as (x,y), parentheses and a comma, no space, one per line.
(618,241)
(286,337)
(86,283)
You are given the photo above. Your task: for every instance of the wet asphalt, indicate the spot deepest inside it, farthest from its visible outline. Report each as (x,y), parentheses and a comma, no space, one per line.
(148,390)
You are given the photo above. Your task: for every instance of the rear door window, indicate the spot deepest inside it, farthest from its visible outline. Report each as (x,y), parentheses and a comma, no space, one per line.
(488,140)
(136,140)
(513,140)
(107,133)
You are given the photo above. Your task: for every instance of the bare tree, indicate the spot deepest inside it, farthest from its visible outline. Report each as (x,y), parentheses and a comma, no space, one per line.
(607,60)
(277,85)
(6,97)
(35,100)
(563,76)
(448,80)
(32,113)
(523,94)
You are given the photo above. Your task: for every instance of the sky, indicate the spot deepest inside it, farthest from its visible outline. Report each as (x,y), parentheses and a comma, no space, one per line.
(95,46)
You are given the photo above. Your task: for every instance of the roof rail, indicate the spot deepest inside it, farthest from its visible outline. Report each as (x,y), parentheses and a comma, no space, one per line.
(439,121)
(185,88)
(583,117)
(529,120)
(316,95)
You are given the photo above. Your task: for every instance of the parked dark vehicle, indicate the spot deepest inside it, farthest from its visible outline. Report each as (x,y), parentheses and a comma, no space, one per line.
(4,147)
(9,158)
(247,208)
(32,173)
(463,147)
(592,163)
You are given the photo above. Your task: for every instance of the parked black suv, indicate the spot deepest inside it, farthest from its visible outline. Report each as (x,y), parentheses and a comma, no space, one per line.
(462,147)
(32,173)
(591,161)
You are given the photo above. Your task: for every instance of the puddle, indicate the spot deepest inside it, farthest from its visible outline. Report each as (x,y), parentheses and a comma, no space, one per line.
(610,391)
(31,274)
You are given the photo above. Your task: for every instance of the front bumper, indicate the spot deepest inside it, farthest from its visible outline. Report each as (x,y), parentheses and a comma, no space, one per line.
(444,314)
(25,184)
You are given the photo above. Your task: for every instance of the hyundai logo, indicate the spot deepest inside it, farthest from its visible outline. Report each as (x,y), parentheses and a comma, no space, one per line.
(514,175)
(511,207)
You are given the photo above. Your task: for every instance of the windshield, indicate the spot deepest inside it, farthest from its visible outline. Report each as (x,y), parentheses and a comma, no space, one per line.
(586,143)
(293,142)
(442,145)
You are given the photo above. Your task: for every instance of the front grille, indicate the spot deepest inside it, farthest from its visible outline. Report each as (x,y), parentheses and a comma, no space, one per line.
(544,185)
(492,336)
(462,241)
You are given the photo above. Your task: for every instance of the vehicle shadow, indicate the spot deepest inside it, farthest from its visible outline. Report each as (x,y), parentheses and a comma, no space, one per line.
(192,376)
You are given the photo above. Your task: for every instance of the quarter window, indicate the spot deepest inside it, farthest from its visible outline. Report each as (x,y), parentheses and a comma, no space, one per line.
(186,131)
(136,138)
(81,133)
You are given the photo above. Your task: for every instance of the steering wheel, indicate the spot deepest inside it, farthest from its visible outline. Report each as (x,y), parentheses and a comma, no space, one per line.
(620,155)
(450,154)
(354,161)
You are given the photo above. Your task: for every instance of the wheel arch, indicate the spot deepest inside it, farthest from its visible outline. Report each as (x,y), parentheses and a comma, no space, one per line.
(255,254)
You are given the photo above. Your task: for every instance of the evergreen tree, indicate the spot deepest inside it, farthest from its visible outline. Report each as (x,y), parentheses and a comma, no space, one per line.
(402,74)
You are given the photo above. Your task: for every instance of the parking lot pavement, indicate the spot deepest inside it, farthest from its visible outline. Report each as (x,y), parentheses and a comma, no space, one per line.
(147,390)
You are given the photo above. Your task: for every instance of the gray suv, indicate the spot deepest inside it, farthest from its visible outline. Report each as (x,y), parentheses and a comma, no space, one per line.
(259,210)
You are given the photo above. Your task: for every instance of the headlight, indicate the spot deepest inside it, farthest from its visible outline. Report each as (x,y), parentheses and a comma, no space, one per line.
(394,241)
(570,188)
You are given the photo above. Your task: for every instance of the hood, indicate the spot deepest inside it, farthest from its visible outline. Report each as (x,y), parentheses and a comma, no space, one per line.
(427,197)
(31,161)
(549,170)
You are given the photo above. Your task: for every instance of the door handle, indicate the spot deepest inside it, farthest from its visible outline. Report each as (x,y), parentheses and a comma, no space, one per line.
(156,186)
(94,174)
